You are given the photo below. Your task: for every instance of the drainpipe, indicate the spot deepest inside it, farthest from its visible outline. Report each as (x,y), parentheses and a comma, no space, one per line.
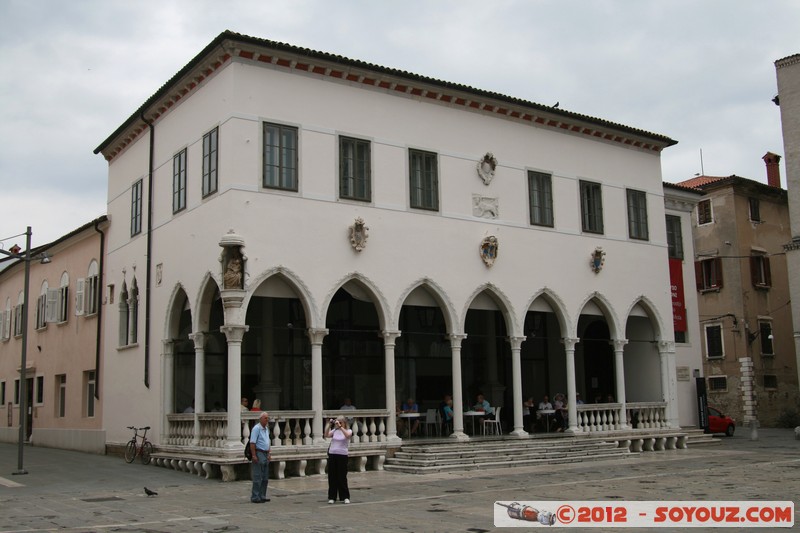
(148,262)
(99,310)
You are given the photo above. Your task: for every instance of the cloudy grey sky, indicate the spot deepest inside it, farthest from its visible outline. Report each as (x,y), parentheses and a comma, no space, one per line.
(701,72)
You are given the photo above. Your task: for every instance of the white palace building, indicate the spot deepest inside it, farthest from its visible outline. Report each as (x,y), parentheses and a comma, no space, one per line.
(300,228)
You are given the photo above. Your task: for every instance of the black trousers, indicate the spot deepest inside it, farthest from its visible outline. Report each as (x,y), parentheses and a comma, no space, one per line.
(337,477)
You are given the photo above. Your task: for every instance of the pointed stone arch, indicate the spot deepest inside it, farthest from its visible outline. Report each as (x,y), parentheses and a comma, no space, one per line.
(372,290)
(556,304)
(503,303)
(438,294)
(296,284)
(607,309)
(201,316)
(175,307)
(652,312)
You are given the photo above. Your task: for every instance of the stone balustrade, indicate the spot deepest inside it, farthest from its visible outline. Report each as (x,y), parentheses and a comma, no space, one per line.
(646,415)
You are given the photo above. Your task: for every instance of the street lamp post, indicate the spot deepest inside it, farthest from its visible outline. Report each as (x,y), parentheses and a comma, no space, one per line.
(23,377)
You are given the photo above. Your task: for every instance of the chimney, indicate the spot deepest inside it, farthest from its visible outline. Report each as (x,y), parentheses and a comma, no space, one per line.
(773,169)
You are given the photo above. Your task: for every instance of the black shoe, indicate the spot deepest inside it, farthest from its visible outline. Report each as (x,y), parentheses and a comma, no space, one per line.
(265,500)
(255,501)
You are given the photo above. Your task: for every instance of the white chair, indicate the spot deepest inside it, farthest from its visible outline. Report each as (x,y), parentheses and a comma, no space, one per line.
(493,425)
(432,418)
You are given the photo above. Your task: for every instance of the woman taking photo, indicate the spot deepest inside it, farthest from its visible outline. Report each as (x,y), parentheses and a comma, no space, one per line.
(339,433)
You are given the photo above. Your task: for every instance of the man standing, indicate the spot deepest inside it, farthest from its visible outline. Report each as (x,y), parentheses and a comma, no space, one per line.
(259,446)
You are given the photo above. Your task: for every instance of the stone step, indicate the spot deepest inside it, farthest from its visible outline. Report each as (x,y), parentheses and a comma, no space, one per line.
(551,457)
(515,463)
(510,450)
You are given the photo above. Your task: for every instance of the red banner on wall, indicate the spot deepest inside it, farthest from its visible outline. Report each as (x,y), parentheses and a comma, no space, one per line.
(676,289)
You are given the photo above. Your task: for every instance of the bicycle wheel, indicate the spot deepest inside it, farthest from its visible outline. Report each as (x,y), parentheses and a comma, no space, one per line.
(130,451)
(147,451)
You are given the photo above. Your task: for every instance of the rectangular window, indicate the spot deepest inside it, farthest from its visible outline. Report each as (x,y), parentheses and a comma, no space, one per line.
(4,330)
(354,169)
(718,383)
(61,394)
(540,198)
(179,181)
(714,347)
(760,273)
(39,392)
(765,333)
(680,336)
(18,312)
(2,393)
(16,392)
(708,274)
(674,237)
(280,157)
(89,392)
(770,381)
(637,215)
(755,210)
(210,142)
(591,207)
(423,180)
(136,208)
(704,215)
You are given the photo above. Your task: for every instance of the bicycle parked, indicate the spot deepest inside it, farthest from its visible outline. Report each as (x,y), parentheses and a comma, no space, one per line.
(143,450)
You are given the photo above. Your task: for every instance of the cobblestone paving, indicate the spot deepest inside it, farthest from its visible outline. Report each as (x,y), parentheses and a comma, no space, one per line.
(76,492)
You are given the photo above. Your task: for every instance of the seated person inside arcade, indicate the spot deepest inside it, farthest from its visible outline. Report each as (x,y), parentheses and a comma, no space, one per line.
(482,404)
(411,407)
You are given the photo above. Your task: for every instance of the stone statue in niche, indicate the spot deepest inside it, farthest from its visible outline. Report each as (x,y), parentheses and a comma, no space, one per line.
(486,168)
(233,277)
(485,207)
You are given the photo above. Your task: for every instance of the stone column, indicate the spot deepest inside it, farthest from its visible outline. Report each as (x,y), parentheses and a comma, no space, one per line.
(516,378)
(316,336)
(458,397)
(619,369)
(388,354)
(572,411)
(669,381)
(234,335)
(168,385)
(199,340)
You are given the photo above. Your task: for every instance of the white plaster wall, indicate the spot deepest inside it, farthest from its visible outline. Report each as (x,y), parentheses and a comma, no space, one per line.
(307,232)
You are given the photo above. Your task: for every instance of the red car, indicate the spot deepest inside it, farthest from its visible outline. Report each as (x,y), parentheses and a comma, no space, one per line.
(719,423)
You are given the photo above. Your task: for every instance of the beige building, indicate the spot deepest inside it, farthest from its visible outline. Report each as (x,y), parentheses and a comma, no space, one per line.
(739,229)
(64,339)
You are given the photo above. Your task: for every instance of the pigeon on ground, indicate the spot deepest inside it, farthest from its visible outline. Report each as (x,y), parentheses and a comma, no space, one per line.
(150,492)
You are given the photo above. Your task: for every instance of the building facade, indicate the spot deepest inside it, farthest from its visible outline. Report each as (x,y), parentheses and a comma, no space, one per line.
(788,74)
(739,228)
(301,228)
(64,342)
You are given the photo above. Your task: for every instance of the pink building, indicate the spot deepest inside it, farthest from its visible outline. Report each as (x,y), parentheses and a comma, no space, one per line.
(64,332)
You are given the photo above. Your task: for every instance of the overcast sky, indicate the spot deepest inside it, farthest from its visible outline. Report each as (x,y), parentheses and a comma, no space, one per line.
(700,72)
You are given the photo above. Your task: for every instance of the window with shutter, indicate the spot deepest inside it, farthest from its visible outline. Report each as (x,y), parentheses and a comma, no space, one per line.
(79,296)
(51,308)
(708,274)
(704,215)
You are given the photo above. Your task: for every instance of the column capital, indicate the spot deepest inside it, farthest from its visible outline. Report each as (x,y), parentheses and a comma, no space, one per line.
(570,342)
(665,347)
(234,333)
(516,342)
(390,336)
(317,335)
(168,347)
(199,339)
(456,338)
(618,344)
